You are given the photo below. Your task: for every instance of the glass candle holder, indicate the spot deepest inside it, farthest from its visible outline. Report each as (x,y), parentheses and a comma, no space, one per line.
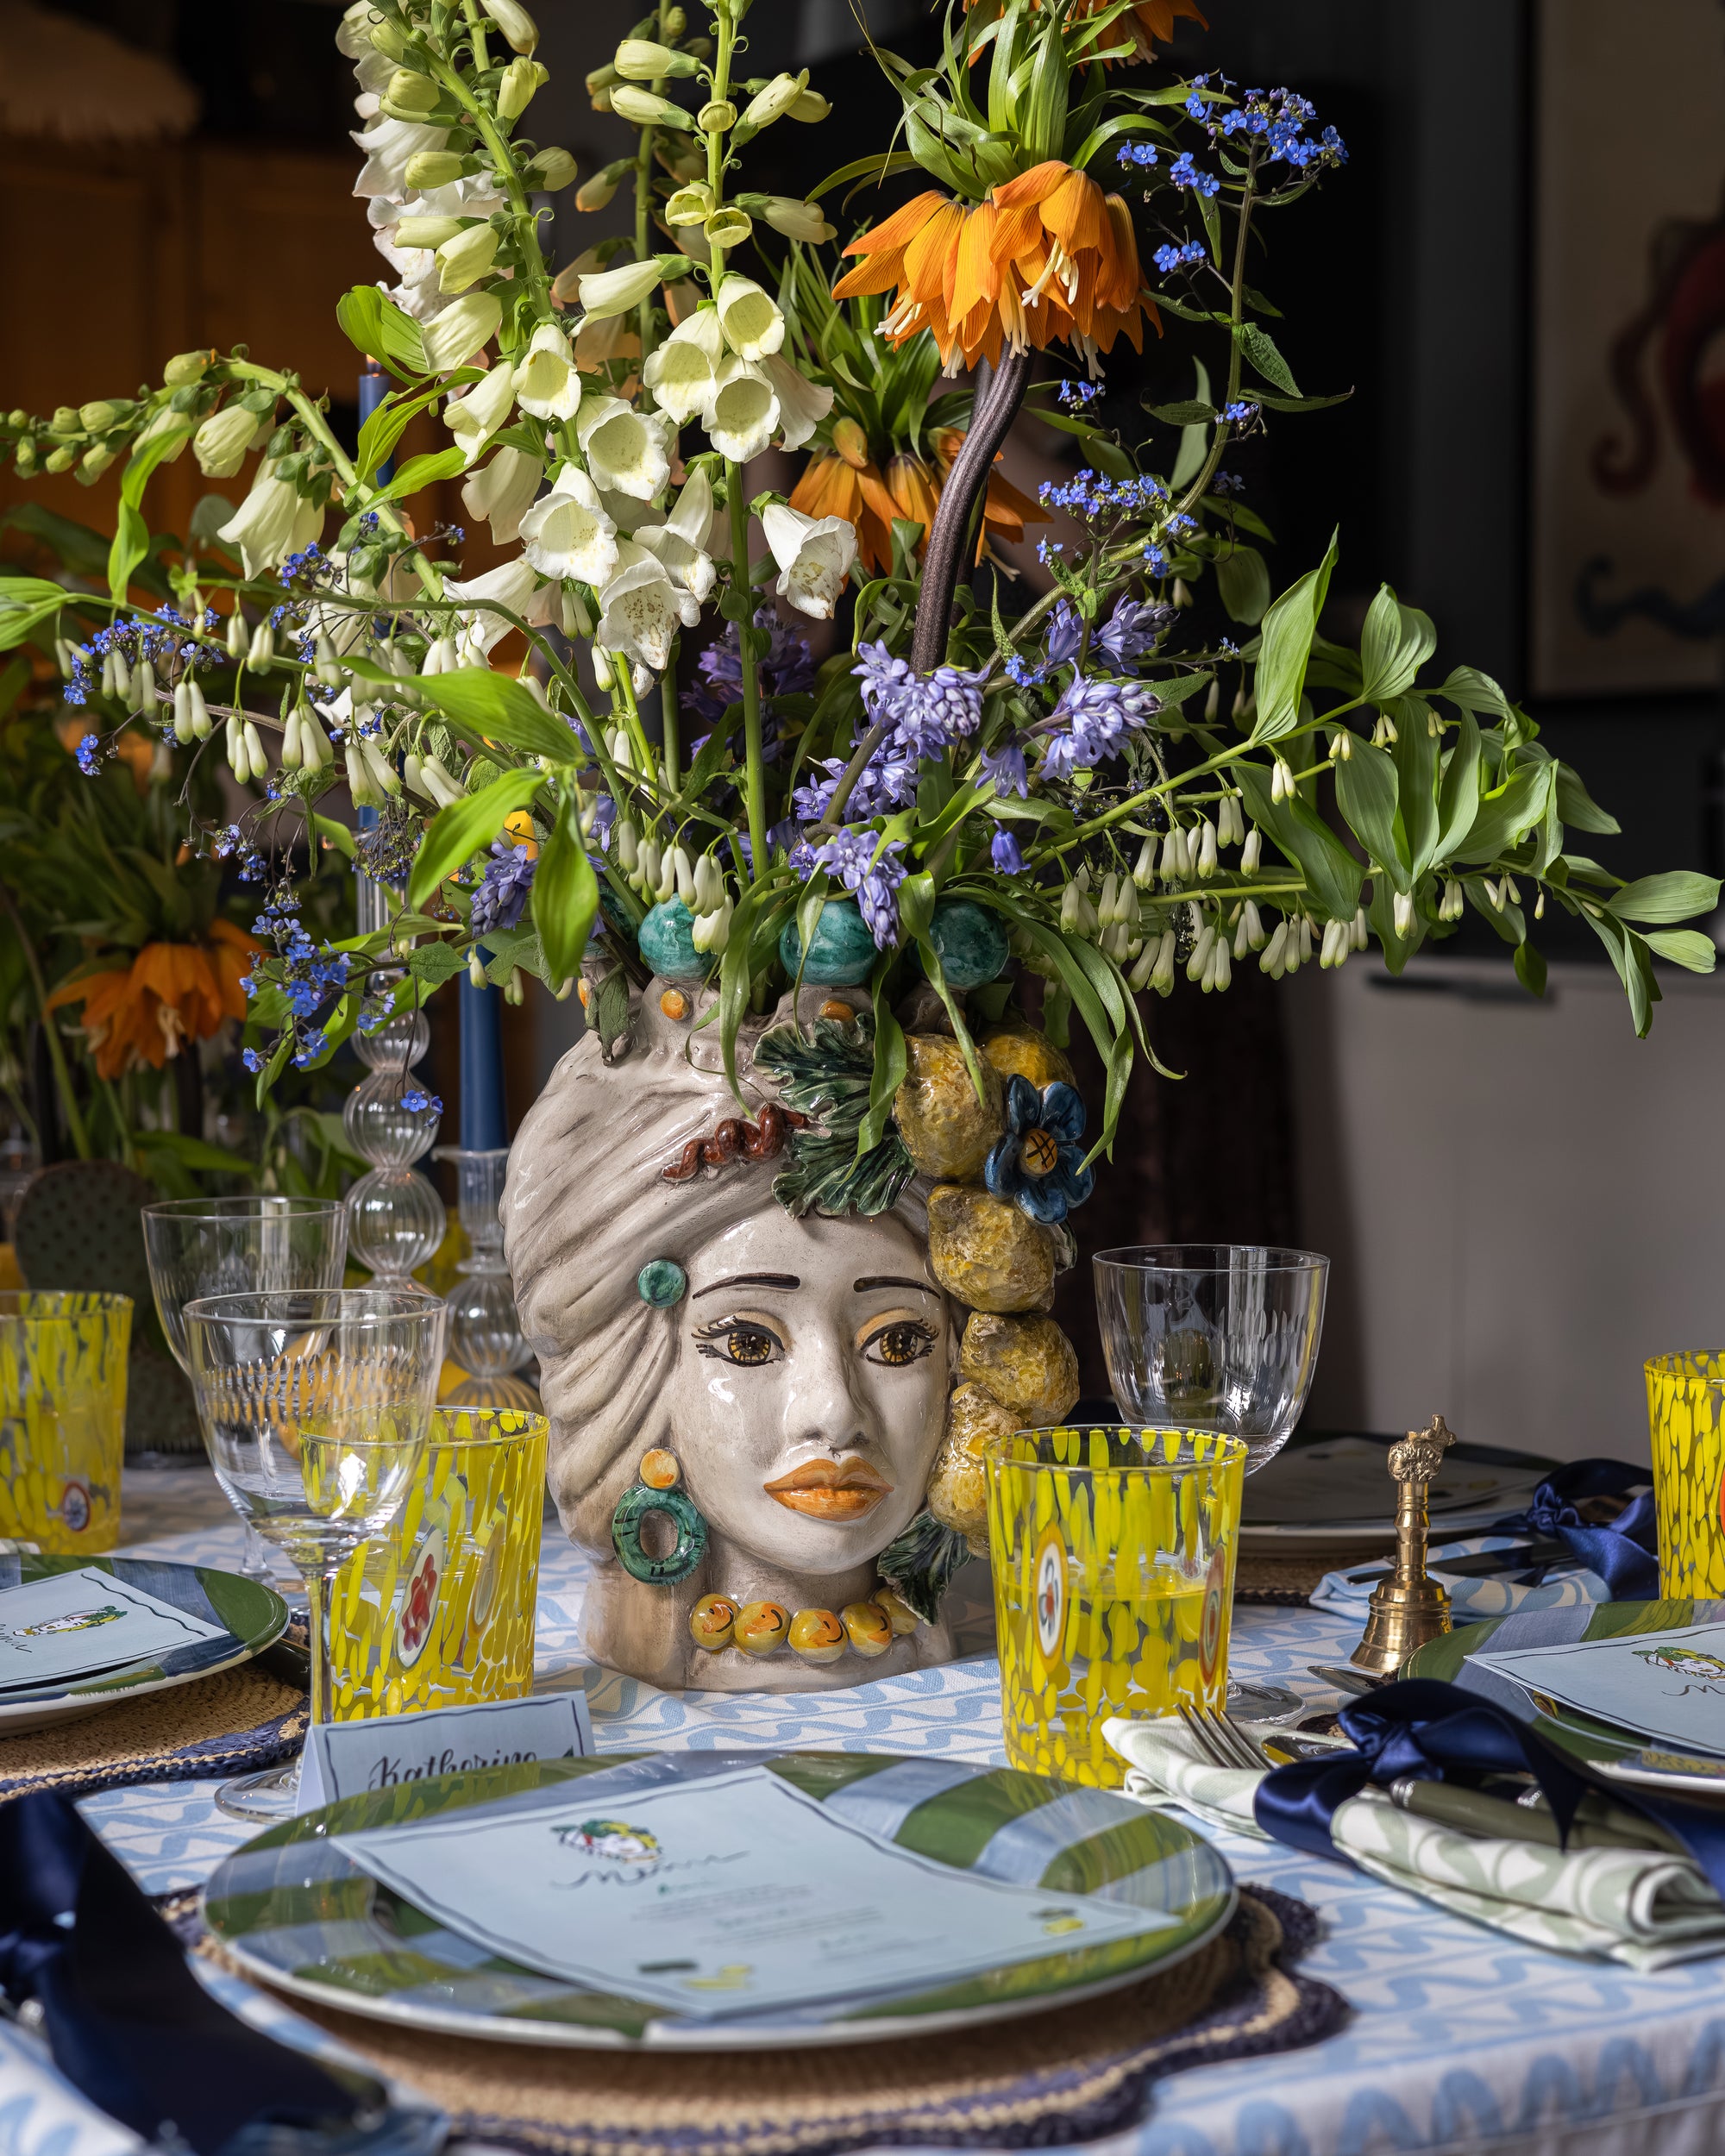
(485,1332)
(1686,1424)
(1113,1553)
(62,1419)
(439,1610)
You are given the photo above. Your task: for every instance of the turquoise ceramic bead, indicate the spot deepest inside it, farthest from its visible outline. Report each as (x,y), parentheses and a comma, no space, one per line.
(667,943)
(841,953)
(969,942)
(632,1508)
(663,1282)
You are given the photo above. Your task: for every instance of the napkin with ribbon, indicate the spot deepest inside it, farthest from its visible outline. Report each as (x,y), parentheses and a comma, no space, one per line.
(1645,1907)
(86,1959)
(1611,1559)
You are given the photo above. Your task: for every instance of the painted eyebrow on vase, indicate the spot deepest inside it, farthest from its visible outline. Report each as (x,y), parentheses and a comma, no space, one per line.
(748,1280)
(889,1279)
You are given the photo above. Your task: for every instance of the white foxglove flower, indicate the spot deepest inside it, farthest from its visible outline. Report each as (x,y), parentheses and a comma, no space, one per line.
(513,584)
(625,449)
(683,371)
(501,494)
(615,292)
(466,258)
(460,330)
(271,523)
(798,220)
(814,554)
(749,317)
(221,443)
(680,543)
(547,384)
(643,59)
(775,100)
(690,206)
(745,414)
(642,609)
(568,532)
(388,145)
(802,403)
(474,417)
(420,232)
(520,32)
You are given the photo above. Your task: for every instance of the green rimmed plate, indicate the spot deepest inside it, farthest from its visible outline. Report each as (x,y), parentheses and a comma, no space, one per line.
(1607,1749)
(252,1617)
(298,1913)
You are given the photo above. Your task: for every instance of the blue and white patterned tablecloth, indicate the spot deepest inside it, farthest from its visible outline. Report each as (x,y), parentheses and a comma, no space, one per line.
(1460,2040)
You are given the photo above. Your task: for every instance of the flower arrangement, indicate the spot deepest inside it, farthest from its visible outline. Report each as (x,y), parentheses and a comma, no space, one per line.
(1078,784)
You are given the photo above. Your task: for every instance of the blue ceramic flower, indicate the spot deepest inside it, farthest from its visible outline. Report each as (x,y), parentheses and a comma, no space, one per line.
(1038,1163)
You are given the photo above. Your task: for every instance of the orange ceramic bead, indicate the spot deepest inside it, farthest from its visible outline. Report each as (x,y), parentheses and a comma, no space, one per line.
(675,1004)
(711,1622)
(762,1627)
(868,1627)
(816,1635)
(660,1470)
(840,1012)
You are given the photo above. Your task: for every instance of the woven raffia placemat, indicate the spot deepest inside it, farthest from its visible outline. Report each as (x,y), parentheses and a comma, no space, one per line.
(234,1722)
(1277,1581)
(1066,2074)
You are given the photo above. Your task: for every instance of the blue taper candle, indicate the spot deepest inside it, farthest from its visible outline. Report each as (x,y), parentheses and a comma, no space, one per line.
(483,1124)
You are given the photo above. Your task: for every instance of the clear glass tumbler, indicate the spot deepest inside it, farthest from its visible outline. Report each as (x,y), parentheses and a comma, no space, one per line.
(1213,1336)
(315,1406)
(62,1418)
(227,1246)
(1112,1555)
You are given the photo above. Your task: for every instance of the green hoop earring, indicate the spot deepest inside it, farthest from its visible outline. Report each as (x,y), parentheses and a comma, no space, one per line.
(632,1508)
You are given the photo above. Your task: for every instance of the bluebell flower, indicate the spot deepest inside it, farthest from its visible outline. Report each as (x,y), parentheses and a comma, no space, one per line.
(1003,851)
(1132,629)
(786,669)
(1005,766)
(1096,715)
(1038,1163)
(89,754)
(501,898)
(848,858)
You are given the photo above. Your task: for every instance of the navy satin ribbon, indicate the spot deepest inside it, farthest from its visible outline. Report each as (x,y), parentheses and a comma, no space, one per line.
(1441,1732)
(132,2028)
(1626,1554)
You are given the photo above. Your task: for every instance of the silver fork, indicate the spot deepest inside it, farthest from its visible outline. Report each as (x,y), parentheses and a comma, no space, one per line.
(1220,1742)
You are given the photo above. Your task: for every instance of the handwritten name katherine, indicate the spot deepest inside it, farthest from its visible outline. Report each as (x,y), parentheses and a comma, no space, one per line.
(386,1771)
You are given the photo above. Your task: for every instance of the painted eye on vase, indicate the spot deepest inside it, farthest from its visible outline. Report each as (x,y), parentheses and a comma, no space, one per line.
(898,1342)
(743,1341)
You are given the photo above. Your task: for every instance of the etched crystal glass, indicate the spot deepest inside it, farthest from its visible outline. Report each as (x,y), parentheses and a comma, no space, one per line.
(1213,1336)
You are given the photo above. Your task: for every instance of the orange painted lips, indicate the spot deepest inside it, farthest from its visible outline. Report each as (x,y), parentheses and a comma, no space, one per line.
(838,1490)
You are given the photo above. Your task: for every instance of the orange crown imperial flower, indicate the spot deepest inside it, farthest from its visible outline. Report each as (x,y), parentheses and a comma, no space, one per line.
(1146,24)
(1048,259)
(845,481)
(170,994)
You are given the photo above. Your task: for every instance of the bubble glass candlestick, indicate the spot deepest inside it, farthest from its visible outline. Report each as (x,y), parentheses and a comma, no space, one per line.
(395,1219)
(485,1333)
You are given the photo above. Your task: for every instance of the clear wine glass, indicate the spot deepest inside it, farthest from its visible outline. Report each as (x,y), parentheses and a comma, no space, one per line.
(1213,1336)
(315,1405)
(224,1246)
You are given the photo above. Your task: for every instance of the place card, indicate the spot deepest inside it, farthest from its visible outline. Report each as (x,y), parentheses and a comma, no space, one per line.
(1668,1686)
(351,1758)
(75,1623)
(734,1894)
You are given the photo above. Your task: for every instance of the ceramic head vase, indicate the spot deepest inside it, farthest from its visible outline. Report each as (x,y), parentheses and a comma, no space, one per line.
(747,1407)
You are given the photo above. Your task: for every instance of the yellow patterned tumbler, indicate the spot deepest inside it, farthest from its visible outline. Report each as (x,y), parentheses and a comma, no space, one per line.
(1113,1553)
(62,1419)
(440,1611)
(1686,1422)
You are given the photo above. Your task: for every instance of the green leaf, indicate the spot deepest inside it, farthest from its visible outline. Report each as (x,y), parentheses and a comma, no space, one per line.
(1629,954)
(387,426)
(483,707)
(1331,874)
(1366,791)
(1685,947)
(1472,691)
(380,330)
(1259,347)
(1194,440)
(455,834)
(891,1063)
(1679,895)
(564,896)
(1416,770)
(1300,403)
(1397,642)
(26,602)
(1459,795)
(1508,812)
(1577,808)
(337,834)
(1242,580)
(422,471)
(434,963)
(1530,969)
(195,1152)
(1187,413)
(1284,647)
(131,533)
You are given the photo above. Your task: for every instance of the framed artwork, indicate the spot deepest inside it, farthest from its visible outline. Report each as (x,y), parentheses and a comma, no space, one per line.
(1627,588)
